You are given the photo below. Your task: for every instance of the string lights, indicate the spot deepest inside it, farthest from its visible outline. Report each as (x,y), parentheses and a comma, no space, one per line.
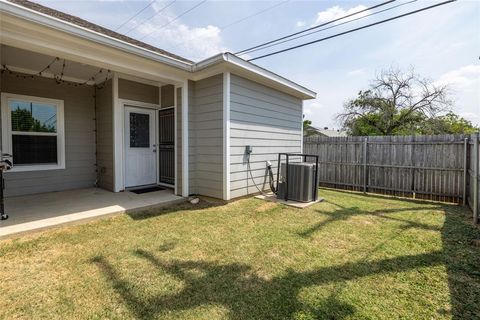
(59,78)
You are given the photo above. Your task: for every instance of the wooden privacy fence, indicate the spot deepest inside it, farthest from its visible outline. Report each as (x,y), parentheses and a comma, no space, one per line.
(441,167)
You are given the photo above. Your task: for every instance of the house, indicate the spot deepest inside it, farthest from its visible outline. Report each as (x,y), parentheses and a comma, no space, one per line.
(324,132)
(84,106)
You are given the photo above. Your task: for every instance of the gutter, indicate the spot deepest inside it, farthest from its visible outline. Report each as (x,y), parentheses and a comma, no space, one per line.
(91,35)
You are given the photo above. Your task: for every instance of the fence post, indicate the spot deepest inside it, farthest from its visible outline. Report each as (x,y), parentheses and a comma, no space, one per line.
(465,170)
(365,166)
(475,177)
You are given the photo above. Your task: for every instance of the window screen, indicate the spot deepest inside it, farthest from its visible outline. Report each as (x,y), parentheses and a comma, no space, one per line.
(139,130)
(34,149)
(34,132)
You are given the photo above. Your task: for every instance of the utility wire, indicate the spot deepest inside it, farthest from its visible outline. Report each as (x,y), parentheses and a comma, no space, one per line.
(353,30)
(151,17)
(240,20)
(136,14)
(254,14)
(177,17)
(318,26)
(262,47)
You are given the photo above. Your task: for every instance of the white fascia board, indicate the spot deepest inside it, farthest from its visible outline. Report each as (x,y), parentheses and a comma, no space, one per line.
(52,22)
(232,60)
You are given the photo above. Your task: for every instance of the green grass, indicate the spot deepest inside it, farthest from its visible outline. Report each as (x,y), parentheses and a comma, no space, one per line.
(350,257)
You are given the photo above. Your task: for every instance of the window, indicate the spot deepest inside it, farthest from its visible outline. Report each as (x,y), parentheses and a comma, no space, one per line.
(33,132)
(139,130)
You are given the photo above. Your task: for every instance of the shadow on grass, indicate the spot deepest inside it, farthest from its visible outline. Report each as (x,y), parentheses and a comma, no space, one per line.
(154,212)
(248,296)
(461,259)
(344,213)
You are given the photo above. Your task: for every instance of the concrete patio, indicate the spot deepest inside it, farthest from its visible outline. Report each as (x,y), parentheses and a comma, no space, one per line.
(47,210)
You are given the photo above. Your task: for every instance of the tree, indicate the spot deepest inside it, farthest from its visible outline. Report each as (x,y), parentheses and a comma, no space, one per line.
(22,120)
(306,124)
(450,123)
(396,103)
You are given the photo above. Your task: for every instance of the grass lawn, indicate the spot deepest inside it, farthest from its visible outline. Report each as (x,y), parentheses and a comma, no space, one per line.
(350,257)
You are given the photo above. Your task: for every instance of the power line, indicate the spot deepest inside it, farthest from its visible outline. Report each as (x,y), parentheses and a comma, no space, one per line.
(353,30)
(177,17)
(265,46)
(151,17)
(136,14)
(318,26)
(254,14)
(242,19)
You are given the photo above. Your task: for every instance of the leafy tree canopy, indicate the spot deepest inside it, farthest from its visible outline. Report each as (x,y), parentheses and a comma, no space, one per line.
(402,103)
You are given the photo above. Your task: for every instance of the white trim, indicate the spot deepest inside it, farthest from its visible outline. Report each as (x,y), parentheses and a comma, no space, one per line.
(226,136)
(301,129)
(176,136)
(234,60)
(185,154)
(118,124)
(7,131)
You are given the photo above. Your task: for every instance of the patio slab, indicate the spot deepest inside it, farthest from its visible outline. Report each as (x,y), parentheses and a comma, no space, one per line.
(47,210)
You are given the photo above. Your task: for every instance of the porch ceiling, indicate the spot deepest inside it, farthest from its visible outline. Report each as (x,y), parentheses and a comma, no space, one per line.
(31,62)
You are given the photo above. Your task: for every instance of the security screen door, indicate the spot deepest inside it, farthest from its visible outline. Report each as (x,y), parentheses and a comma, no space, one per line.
(166,146)
(140,151)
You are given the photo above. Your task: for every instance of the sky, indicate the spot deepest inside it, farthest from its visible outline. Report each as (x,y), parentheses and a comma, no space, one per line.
(442,44)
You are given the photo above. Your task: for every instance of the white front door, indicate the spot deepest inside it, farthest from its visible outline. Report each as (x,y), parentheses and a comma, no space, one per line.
(140,147)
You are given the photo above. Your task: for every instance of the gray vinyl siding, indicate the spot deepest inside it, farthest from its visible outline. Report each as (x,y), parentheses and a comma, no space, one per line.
(167,96)
(179,141)
(206,137)
(136,91)
(79,137)
(104,117)
(268,120)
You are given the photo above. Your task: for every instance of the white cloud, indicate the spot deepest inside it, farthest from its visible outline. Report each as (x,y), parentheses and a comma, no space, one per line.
(336,12)
(300,24)
(312,107)
(356,72)
(461,78)
(193,42)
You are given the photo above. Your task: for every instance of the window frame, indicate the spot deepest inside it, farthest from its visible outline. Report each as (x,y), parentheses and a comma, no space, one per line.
(7,133)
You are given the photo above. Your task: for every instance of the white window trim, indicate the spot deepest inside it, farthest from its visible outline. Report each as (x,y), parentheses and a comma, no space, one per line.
(7,131)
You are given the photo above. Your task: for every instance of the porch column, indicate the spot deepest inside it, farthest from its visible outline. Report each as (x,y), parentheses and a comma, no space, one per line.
(185,154)
(117,121)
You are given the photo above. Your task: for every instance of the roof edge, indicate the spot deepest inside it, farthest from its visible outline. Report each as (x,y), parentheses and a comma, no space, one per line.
(31,15)
(232,59)
(85,33)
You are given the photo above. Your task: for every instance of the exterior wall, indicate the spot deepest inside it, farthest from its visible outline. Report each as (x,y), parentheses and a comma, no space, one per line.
(167,96)
(266,119)
(79,110)
(206,137)
(136,91)
(104,118)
